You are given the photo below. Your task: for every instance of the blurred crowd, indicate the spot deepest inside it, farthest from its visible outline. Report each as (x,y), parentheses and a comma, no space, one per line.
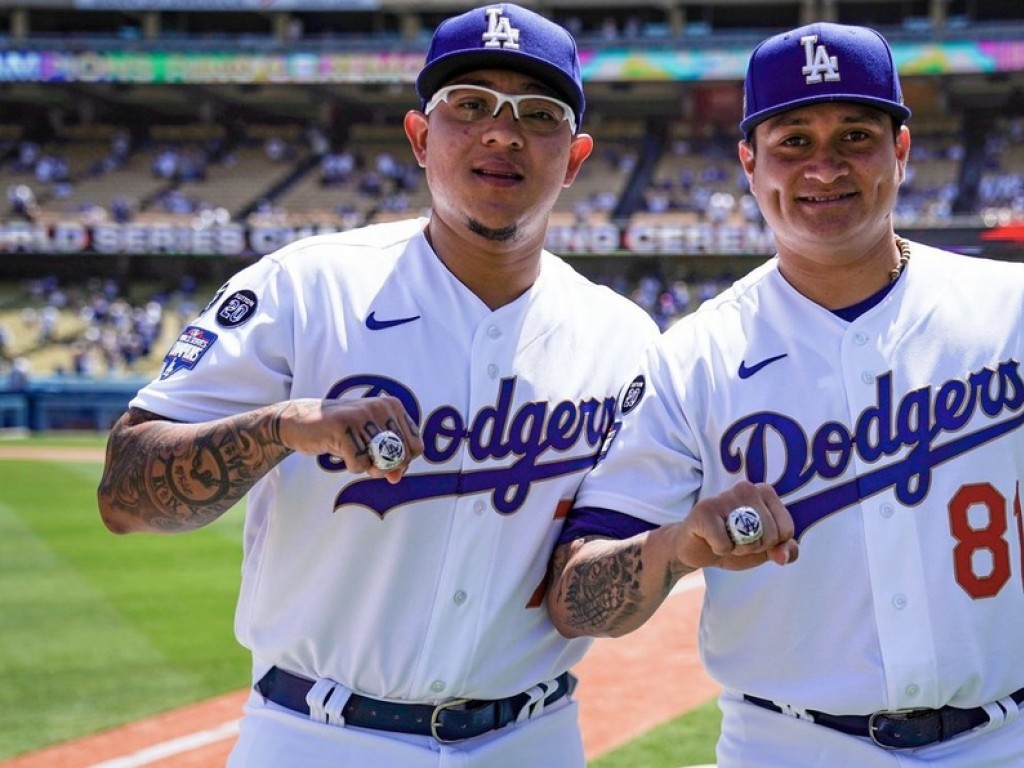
(99,332)
(1001,188)
(696,175)
(93,331)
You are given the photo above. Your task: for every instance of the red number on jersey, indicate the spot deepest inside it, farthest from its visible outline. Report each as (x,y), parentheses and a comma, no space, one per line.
(986,533)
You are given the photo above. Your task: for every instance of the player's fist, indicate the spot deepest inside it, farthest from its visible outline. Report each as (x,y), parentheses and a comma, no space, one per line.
(372,434)
(740,528)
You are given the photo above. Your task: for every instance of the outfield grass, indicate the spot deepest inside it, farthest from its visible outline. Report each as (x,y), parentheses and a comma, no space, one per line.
(97,630)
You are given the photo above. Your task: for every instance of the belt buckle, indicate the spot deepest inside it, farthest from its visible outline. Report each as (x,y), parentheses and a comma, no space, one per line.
(896,715)
(435,718)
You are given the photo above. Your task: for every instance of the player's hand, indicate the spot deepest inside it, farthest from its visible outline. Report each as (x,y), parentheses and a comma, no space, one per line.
(703,539)
(344,428)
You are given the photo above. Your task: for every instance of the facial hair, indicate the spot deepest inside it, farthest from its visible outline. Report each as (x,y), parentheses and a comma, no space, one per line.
(502,235)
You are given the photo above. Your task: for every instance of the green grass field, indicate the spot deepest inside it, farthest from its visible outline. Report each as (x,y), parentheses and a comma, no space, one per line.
(97,630)
(686,740)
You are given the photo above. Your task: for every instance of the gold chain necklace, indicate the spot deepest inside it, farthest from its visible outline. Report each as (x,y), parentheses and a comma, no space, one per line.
(904,247)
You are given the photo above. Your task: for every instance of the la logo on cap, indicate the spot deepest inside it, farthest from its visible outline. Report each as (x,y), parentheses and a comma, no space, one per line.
(500,32)
(819,63)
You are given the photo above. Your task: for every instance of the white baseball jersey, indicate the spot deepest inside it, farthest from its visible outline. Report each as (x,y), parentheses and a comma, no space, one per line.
(895,441)
(431,588)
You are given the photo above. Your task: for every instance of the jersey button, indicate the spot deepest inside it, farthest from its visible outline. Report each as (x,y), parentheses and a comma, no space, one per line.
(867,377)
(492,371)
(899,602)
(479,507)
(460,597)
(494,332)
(912,691)
(887,511)
(861,339)
(437,686)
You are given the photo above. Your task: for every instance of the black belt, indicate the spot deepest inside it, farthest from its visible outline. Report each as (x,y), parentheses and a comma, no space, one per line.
(448,721)
(903,729)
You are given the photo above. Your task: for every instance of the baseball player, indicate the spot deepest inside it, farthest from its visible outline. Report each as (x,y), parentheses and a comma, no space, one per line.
(410,408)
(874,387)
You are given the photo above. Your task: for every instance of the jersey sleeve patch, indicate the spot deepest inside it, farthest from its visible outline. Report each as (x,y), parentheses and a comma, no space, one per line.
(187,351)
(236,309)
(632,394)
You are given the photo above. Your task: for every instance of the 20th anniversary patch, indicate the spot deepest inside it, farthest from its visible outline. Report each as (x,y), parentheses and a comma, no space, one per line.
(236,309)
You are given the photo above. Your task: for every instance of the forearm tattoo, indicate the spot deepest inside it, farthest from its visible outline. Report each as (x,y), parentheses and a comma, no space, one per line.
(602,595)
(179,477)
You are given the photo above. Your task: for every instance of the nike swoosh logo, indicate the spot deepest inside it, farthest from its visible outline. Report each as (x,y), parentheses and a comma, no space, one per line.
(378,325)
(746,373)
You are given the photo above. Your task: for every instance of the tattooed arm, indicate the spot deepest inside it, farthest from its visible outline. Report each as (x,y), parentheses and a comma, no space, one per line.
(165,476)
(607,588)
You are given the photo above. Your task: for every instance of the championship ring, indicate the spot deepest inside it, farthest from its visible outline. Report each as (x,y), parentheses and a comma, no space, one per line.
(386,450)
(744,526)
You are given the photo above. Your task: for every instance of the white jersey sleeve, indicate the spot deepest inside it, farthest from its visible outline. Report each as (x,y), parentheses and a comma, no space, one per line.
(232,364)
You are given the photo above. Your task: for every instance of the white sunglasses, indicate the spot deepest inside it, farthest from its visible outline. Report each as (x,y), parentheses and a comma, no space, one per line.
(473,103)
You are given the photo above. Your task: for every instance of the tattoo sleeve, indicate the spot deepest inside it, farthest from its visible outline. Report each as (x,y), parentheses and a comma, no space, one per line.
(604,593)
(166,476)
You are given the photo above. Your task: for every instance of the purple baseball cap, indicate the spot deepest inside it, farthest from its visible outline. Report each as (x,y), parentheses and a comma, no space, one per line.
(818,63)
(504,36)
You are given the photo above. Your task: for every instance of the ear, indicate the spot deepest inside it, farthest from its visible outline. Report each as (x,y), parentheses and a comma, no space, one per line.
(416,129)
(746,153)
(580,149)
(903,150)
